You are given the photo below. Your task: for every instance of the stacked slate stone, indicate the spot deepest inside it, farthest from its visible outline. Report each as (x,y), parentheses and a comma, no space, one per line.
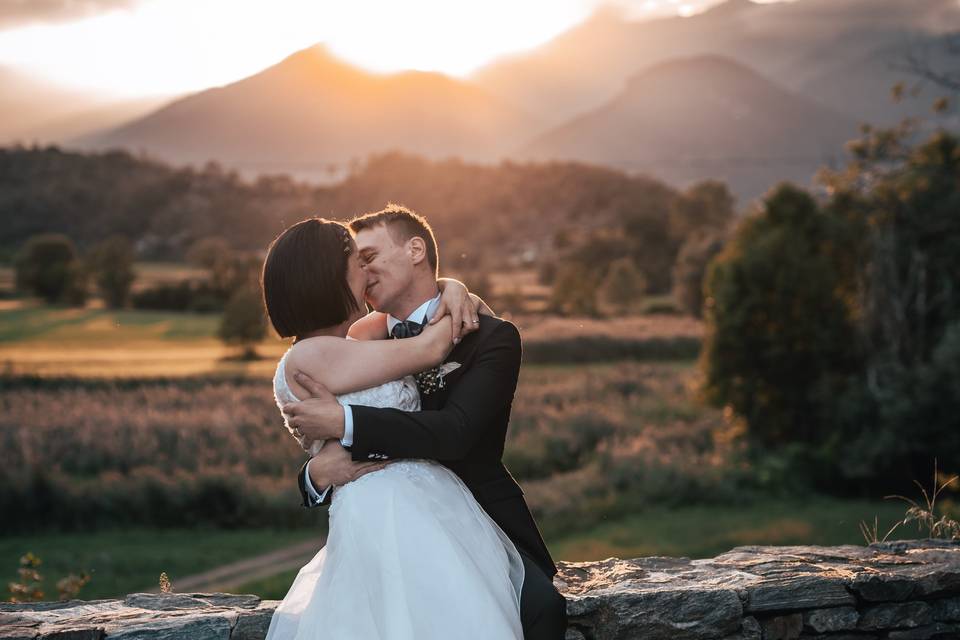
(904,590)
(158,616)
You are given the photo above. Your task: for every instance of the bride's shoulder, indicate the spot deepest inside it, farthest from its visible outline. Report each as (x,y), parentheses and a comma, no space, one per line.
(312,348)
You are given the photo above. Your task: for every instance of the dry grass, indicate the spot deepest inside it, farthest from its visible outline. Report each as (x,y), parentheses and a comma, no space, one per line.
(99,343)
(95,342)
(617,431)
(536,328)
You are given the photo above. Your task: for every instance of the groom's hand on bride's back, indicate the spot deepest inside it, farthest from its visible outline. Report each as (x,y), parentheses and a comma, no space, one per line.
(320,417)
(333,466)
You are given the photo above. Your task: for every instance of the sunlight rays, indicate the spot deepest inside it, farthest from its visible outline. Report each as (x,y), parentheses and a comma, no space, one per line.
(159,47)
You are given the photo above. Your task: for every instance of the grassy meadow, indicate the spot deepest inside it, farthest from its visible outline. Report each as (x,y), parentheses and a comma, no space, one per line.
(102,343)
(106,343)
(133,444)
(131,560)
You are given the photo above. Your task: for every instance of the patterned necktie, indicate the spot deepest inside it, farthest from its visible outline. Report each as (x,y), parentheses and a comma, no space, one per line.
(406,329)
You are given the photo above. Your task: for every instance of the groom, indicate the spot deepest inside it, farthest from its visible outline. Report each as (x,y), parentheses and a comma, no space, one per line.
(463,425)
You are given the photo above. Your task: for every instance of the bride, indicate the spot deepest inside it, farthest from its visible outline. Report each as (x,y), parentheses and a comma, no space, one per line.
(409,553)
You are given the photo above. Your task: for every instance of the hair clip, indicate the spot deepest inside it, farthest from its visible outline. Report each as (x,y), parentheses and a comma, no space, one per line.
(346,239)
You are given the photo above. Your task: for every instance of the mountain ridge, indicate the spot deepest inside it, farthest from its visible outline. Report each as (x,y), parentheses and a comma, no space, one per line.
(332,112)
(587,65)
(700,117)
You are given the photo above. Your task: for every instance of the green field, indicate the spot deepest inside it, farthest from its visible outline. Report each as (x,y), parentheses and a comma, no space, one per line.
(273,588)
(94,342)
(129,561)
(706,531)
(106,343)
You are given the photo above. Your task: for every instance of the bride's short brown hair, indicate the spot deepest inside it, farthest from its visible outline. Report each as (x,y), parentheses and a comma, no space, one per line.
(304,277)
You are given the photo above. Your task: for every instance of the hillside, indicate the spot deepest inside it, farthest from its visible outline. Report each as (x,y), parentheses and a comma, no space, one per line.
(704,117)
(510,209)
(814,47)
(330,113)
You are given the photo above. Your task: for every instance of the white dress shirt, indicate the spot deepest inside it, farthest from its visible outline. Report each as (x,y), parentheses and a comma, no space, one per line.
(421,314)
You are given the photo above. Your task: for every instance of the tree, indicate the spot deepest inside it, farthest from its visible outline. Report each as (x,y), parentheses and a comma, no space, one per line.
(216,256)
(111,261)
(624,286)
(896,411)
(650,243)
(574,291)
(48,267)
(918,60)
(688,272)
(243,323)
(706,207)
(778,320)
(228,270)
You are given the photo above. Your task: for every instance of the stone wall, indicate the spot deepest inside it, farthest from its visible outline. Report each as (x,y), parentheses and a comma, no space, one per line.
(906,590)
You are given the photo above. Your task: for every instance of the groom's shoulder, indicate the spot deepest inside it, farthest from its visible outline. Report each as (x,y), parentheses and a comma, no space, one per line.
(495,326)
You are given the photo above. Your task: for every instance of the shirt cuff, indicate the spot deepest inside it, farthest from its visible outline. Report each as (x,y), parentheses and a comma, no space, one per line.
(315,498)
(347,439)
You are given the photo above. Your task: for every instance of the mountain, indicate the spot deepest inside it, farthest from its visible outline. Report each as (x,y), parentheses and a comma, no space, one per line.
(703,117)
(312,110)
(814,47)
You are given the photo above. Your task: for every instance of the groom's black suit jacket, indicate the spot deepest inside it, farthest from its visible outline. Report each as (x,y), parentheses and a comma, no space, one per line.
(463,426)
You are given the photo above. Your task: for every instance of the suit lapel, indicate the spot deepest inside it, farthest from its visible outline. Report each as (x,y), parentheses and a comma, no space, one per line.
(462,353)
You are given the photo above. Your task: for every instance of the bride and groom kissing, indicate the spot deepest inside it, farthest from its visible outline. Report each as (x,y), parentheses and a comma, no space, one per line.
(429,534)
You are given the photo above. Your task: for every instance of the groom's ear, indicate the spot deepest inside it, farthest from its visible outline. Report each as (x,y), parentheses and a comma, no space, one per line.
(417,249)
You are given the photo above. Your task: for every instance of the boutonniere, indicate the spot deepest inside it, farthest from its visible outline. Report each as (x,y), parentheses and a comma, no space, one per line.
(433,379)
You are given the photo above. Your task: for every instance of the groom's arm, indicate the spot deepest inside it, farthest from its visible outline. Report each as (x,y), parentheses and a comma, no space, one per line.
(483,394)
(331,466)
(314,496)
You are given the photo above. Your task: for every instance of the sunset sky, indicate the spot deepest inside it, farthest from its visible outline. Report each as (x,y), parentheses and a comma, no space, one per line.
(128,48)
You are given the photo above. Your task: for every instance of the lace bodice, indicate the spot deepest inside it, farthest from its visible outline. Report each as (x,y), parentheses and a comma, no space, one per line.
(396,394)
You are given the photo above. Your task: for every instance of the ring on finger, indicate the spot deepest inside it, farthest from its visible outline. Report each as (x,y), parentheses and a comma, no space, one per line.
(297,432)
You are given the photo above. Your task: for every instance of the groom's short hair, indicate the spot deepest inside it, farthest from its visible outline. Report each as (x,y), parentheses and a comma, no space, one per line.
(403,224)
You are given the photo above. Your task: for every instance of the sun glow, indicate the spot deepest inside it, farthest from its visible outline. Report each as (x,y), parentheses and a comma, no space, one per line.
(158,47)
(170,46)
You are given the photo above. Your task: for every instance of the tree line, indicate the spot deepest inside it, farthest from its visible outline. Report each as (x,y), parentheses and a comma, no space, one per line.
(488,218)
(51,268)
(833,324)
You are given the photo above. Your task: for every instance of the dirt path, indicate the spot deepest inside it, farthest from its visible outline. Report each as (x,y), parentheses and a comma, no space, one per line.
(230,576)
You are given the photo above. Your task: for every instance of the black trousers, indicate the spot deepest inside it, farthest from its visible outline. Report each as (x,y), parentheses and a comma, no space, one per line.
(543,611)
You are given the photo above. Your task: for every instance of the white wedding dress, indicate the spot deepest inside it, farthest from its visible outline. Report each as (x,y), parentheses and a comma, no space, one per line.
(409,554)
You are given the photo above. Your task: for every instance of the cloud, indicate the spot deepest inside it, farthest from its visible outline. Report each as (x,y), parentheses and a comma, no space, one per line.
(16,13)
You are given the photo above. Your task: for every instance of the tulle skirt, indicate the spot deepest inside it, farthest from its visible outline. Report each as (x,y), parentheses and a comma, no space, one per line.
(410,555)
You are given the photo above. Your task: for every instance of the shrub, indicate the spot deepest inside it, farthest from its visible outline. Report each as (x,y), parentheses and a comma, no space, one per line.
(244,323)
(624,286)
(180,296)
(575,291)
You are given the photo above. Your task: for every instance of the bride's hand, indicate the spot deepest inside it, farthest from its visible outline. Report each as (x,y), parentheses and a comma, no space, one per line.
(437,336)
(462,306)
